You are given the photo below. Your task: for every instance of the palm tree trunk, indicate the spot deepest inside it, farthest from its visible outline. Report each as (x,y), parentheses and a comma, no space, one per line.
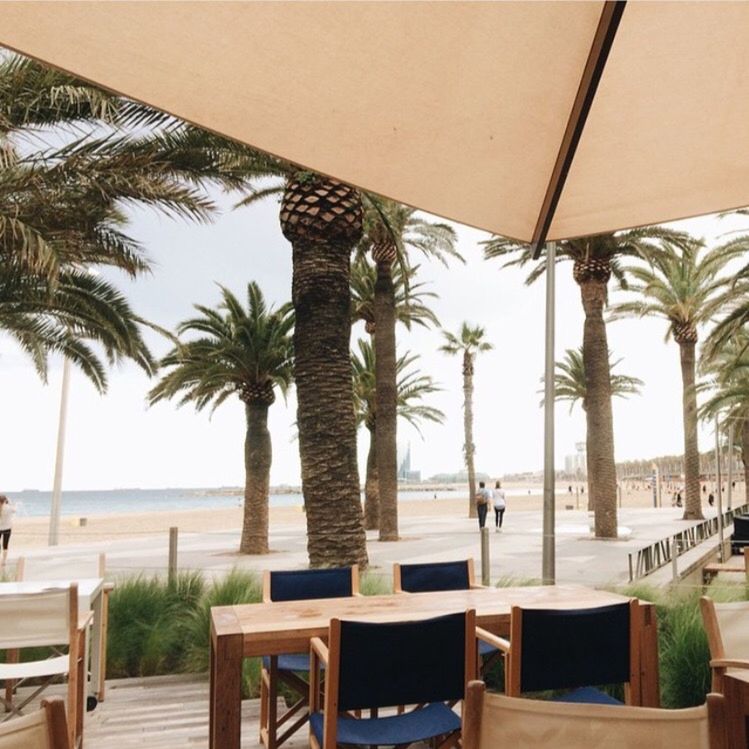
(258,455)
(371,485)
(692,499)
(745,456)
(325,411)
(468,447)
(386,402)
(598,413)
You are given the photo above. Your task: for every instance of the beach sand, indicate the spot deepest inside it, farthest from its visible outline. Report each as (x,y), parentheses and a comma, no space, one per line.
(31,533)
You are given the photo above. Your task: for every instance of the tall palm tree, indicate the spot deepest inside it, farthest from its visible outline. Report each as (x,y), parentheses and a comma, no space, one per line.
(570,385)
(392,231)
(683,286)
(64,317)
(595,259)
(245,352)
(410,308)
(412,387)
(468,343)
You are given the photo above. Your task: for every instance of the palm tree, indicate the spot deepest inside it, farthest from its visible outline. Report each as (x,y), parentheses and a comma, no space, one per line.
(60,317)
(409,309)
(469,342)
(410,296)
(728,369)
(245,352)
(412,387)
(595,259)
(569,380)
(683,287)
(391,232)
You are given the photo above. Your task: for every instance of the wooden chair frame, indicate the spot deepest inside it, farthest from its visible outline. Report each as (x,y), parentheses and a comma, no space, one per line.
(717,716)
(472,584)
(512,651)
(711,571)
(718,660)
(52,715)
(76,674)
(106,592)
(270,679)
(320,653)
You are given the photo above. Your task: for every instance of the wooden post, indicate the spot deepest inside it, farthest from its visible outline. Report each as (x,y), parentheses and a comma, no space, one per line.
(172,570)
(485,558)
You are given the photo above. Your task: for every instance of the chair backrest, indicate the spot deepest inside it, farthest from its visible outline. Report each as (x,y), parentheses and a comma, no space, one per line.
(400,663)
(727,627)
(433,576)
(568,648)
(300,585)
(44,729)
(48,617)
(492,720)
(61,567)
(741,528)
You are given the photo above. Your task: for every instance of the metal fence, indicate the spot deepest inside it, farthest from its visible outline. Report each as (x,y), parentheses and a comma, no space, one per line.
(665,551)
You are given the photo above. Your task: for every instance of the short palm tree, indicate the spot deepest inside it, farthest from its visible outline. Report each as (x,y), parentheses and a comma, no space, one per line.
(245,352)
(595,259)
(683,286)
(569,380)
(412,387)
(468,343)
(323,220)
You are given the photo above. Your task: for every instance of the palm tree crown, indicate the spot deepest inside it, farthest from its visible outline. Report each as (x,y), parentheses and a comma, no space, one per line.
(243,351)
(412,387)
(569,380)
(469,342)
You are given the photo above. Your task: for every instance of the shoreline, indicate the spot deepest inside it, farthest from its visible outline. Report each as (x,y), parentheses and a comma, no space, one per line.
(32,532)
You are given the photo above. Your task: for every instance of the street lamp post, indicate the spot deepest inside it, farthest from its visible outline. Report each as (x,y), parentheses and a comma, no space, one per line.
(54,513)
(548,553)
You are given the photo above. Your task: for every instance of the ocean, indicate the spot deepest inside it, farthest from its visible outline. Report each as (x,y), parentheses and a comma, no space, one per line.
(31,503)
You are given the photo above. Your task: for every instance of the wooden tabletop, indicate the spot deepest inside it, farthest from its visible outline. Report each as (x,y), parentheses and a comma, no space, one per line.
(283,627)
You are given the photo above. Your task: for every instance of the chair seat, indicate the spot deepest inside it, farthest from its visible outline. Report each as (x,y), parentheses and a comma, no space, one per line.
(486,649)
(34,669)
(588,695)
(426,723)
(298,662)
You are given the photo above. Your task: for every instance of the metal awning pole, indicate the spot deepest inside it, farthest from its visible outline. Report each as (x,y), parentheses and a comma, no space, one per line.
(718,491)
(548,558)
(729,480)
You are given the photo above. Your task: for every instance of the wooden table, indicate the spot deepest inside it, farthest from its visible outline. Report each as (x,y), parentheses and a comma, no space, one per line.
(90,598)
(259,629)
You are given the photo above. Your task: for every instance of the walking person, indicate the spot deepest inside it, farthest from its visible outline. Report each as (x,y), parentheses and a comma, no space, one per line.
(500,505)
(7,510)
(483,497)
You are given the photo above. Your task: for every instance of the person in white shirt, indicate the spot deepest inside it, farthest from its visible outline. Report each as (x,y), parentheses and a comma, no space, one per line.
(7,510)
(500,505)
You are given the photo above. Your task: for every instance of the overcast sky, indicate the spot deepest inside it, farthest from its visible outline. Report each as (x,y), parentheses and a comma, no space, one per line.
(116,441)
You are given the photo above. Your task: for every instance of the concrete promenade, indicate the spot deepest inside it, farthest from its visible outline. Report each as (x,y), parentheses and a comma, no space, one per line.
(515,552)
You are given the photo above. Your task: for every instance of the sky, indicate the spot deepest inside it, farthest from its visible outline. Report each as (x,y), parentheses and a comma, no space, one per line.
(117,441)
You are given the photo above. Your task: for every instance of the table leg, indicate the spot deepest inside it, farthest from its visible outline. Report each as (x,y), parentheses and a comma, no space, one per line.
(225,692)
(649,673)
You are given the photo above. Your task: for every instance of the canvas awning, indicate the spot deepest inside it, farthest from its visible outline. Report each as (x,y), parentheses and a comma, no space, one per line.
(458,108)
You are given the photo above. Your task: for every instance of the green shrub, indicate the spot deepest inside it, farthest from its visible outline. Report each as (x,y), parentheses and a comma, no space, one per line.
(147,618)
(237,587)
(372,584)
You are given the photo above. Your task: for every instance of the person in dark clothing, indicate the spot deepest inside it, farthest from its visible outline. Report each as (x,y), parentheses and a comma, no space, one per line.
(483,498)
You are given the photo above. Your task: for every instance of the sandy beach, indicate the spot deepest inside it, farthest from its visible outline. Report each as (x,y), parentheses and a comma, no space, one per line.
(31,532)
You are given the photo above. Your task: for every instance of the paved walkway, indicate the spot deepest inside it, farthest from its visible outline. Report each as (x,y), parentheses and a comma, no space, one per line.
(515,553)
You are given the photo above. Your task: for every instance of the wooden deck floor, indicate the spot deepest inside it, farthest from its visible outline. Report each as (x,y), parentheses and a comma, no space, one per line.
(169,712)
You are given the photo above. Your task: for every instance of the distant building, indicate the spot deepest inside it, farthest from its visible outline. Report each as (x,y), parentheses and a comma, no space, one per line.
(576,465)
(405,472)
